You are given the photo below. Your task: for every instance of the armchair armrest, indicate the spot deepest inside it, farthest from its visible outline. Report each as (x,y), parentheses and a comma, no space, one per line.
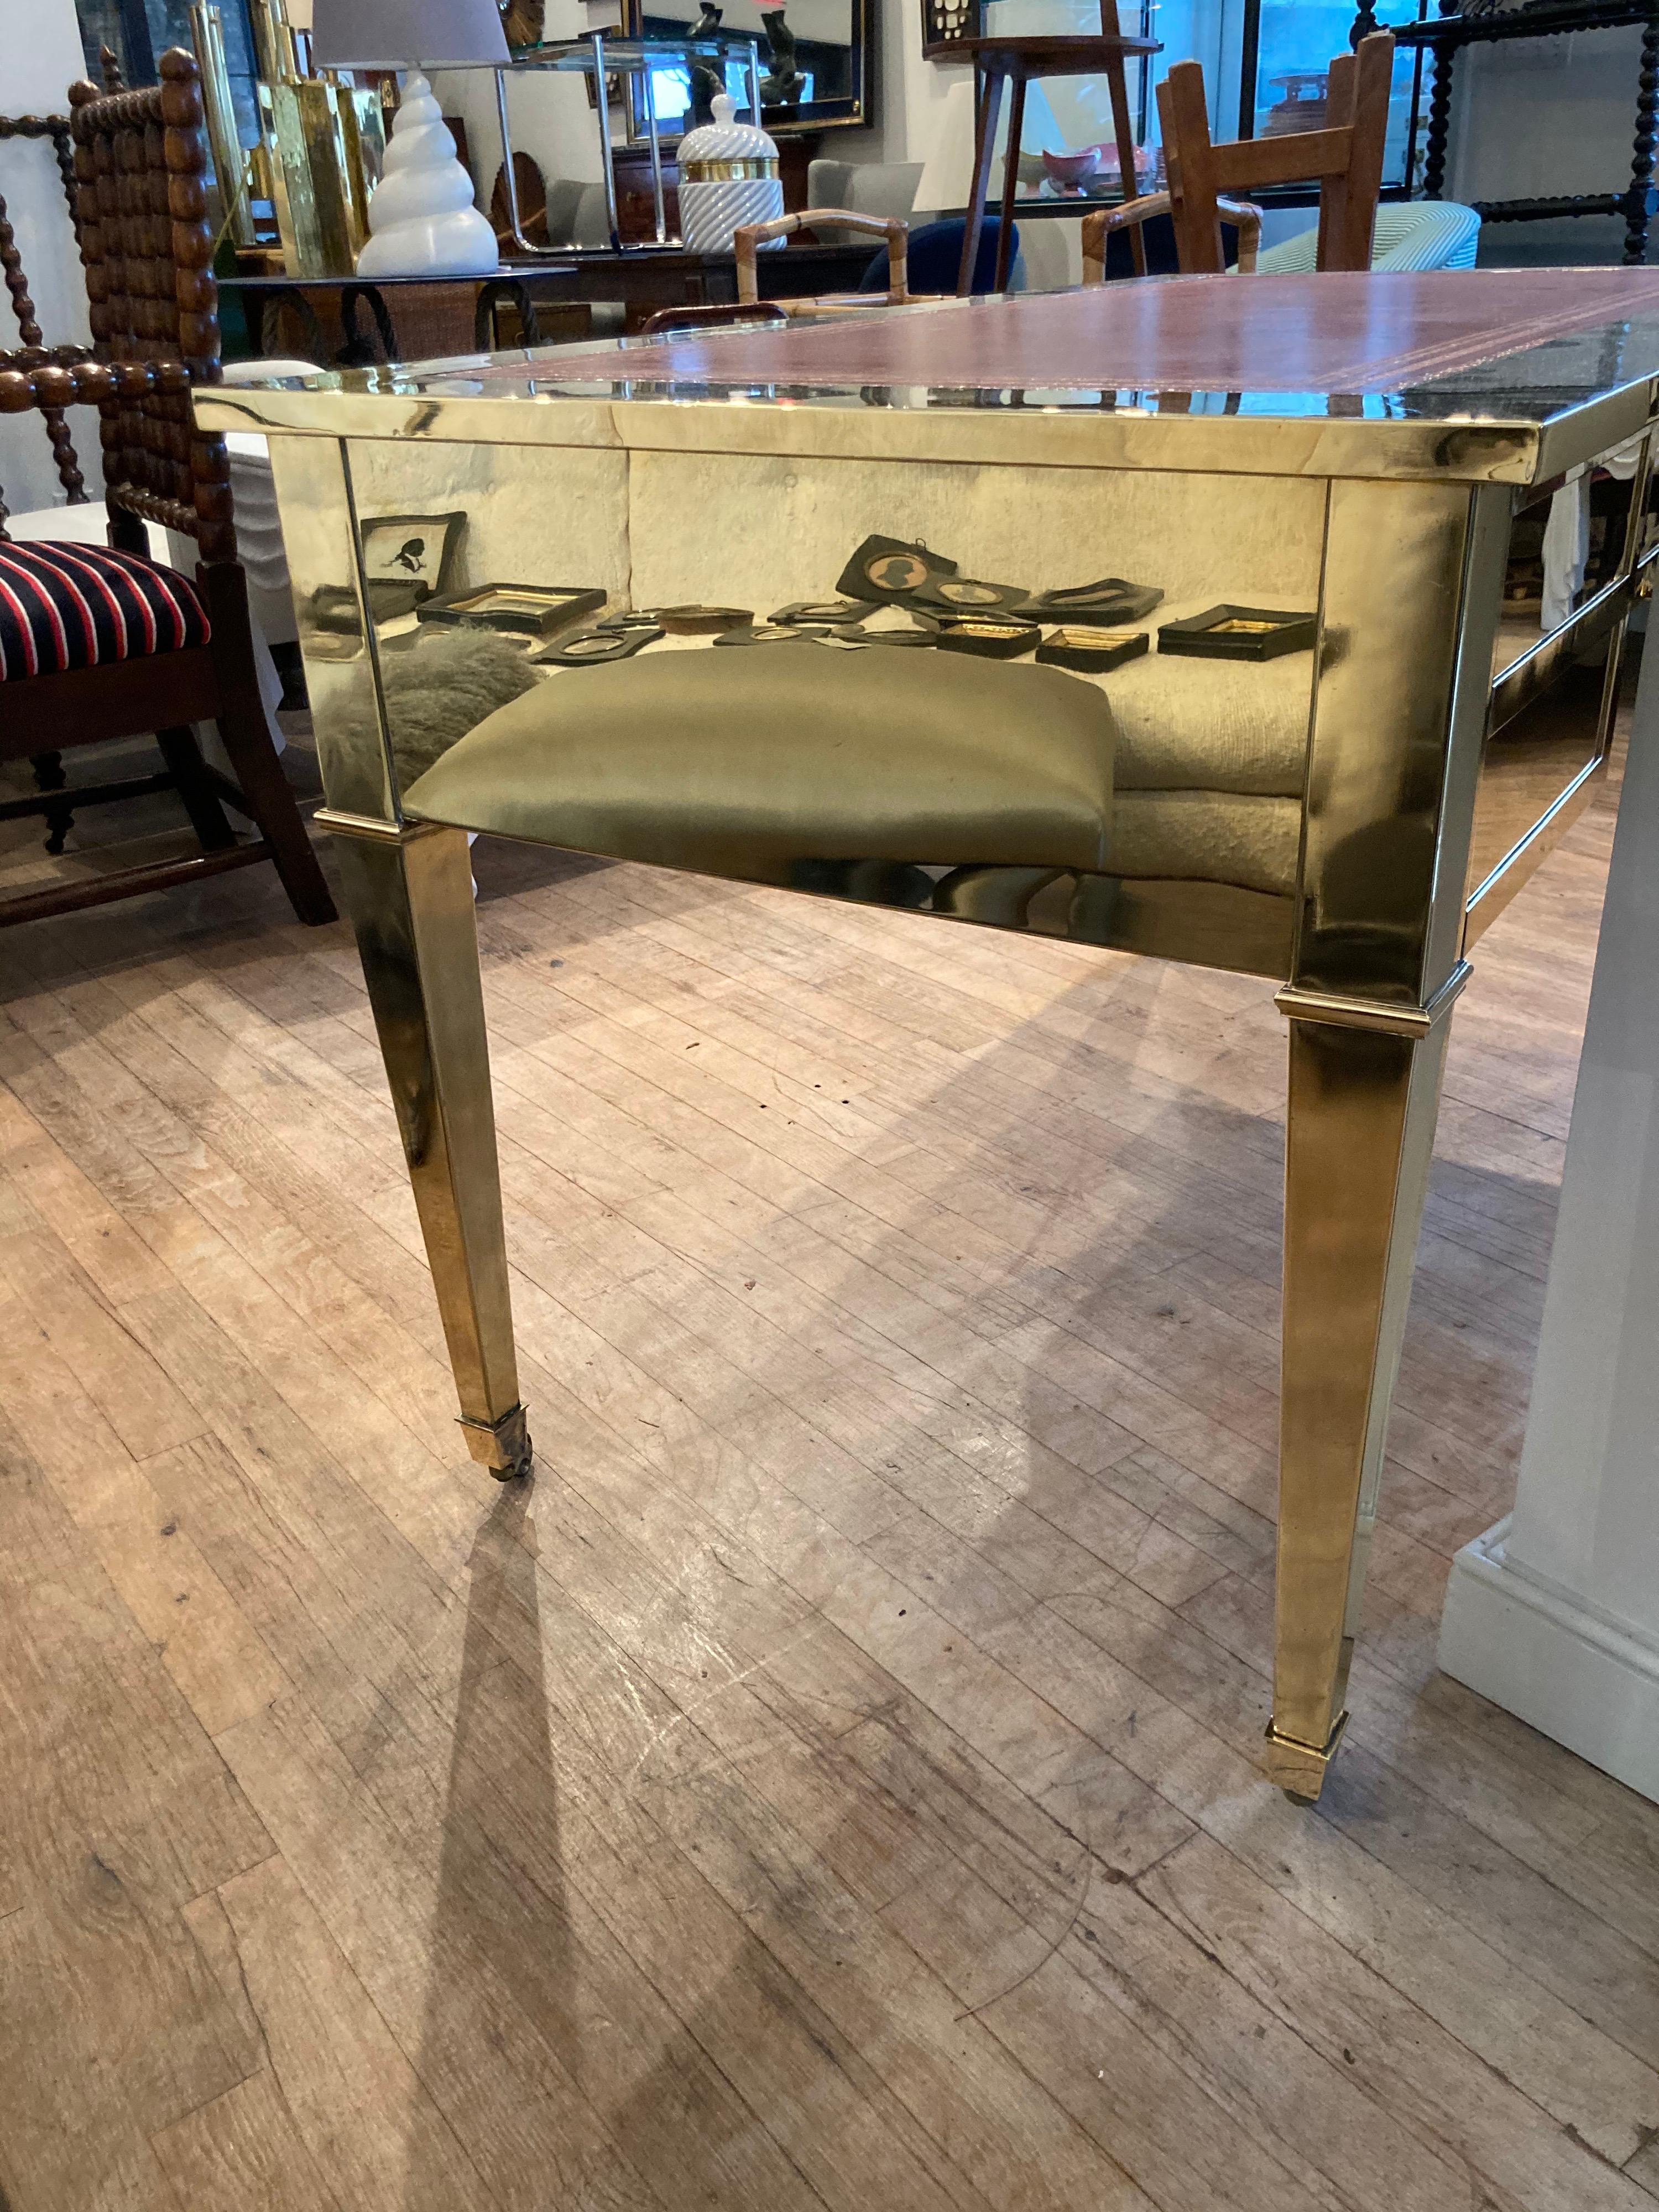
(1099,224)
(747,241)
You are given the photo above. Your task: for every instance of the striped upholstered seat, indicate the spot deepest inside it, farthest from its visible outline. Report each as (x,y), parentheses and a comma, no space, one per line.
(67,606)
(1409,234)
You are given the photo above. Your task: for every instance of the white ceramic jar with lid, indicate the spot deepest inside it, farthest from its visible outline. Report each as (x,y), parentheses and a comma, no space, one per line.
(728,177)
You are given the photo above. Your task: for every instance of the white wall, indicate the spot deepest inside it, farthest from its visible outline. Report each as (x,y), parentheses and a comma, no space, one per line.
(549,114)
(39,59)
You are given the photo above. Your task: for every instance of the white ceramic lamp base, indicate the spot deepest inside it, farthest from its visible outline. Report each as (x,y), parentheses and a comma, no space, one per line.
(422,218)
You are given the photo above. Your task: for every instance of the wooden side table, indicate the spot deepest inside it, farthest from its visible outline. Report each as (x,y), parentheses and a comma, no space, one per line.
(1015,62)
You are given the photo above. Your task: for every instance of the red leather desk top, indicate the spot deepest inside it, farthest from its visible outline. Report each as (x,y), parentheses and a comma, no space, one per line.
(1334,333)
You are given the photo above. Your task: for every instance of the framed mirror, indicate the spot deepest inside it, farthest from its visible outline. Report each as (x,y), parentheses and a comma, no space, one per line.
(816,60)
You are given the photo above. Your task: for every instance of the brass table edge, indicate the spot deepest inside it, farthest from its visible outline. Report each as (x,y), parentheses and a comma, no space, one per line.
(837,424)
(1301,1768)
(342,824)
(1299,1005)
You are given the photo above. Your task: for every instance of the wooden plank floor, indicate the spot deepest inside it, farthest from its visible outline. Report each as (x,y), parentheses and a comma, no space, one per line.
(832,1784)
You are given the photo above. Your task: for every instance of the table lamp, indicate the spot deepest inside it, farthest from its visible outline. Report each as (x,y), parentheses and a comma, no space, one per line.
(422,218)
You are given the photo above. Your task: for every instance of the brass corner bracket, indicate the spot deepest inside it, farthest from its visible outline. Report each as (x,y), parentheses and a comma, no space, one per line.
(1300,1767)
(502,1445)
(1299,1005)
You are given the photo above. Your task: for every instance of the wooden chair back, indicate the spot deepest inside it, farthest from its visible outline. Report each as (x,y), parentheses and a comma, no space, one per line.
(141,166)
(33,352)
(1345,157)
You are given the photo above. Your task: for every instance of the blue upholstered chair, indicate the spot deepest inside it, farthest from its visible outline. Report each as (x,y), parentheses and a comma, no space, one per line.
(935,257)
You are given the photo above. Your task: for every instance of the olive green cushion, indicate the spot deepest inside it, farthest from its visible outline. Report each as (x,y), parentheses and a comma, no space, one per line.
(758,761)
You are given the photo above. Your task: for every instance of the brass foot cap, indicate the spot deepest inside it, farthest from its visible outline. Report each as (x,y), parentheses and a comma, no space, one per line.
(1299,1768)
(502,1445)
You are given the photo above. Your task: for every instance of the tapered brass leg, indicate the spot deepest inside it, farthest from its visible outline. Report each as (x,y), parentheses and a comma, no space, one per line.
(1363,1095)
(409,894)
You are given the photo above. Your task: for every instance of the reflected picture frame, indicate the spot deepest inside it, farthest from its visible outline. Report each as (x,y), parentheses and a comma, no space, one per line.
(418,549)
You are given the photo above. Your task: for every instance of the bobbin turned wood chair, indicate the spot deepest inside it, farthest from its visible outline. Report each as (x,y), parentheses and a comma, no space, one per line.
(97,644)
(1346,156)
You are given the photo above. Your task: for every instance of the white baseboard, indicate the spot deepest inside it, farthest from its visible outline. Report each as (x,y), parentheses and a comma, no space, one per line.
(1534,1650)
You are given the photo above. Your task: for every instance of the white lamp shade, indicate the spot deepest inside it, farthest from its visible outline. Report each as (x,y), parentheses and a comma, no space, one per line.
(405,34)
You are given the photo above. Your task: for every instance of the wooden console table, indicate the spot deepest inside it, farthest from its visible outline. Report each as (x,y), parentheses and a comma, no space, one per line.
(346,322)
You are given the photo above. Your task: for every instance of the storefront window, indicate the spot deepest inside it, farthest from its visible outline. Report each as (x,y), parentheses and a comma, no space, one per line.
(1282,48)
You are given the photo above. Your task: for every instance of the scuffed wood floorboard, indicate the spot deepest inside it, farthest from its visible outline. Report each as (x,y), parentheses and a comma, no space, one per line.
(831,1784)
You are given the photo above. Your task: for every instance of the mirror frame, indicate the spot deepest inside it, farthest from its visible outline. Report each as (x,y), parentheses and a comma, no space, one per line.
(855,111)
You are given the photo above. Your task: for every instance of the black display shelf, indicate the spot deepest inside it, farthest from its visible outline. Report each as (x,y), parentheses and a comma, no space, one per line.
(1443,37)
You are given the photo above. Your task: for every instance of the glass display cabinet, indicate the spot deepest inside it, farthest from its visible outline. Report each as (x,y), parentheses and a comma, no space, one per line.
(1176,617)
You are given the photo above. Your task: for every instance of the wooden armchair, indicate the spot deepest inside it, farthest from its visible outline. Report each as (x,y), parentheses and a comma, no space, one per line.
(1345,157)
(98,643)
(747,242)
(1129,215)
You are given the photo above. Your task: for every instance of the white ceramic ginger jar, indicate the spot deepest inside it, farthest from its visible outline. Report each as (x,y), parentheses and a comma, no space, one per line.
(728,177)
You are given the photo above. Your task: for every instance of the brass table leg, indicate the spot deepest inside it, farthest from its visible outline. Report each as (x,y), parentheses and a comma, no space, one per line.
(409,894)
(1365,1088)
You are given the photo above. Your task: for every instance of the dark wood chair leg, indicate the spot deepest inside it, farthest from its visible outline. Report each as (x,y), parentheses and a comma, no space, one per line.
(188,771)
(1117,88)
(988,109)
(1010,187)
(246,734)
(49,776)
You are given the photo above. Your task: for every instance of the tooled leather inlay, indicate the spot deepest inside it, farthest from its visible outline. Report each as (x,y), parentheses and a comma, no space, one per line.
(1338,332)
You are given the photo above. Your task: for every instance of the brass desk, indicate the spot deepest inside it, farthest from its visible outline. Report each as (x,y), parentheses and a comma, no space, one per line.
(1346,820)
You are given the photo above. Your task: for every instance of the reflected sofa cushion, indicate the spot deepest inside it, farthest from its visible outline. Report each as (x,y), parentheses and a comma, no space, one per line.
(757,761)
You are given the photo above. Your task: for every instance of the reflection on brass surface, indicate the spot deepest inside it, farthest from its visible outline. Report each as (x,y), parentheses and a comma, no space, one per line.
(1380,708)
(1536,776)
(908,428)
(771,634)
(1360,1132)
(536,610)
(826,614)
(597,648)
(891,567)
(1239,633)
(1299,1767)
(700,621)
(1375,746)
(1113,599)
(319,535)
(1366,1014)
(409,895)
(968,592)
(1096,652)
(994,640)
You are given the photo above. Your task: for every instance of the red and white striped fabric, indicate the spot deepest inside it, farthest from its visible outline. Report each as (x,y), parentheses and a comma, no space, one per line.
(77,607)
